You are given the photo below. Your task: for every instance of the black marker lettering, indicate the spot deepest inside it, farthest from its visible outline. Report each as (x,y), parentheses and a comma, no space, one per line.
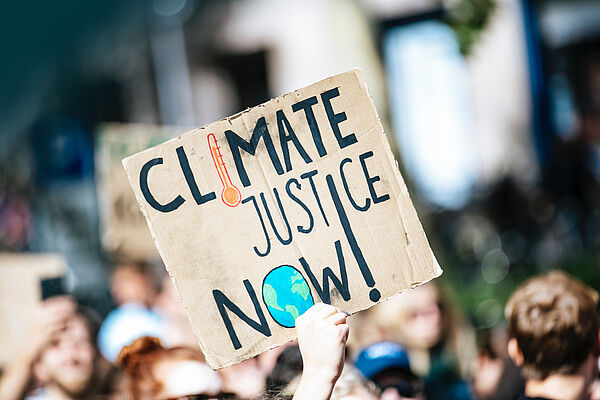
(297,200)
(189,178)
(308,175)
(171,206)
(374,294)
(336,119)
(284,125)
(371,180)
(343,175)
(262,223)
(306,105)
(236,143)
(223,302)
(287,224)
(323,291)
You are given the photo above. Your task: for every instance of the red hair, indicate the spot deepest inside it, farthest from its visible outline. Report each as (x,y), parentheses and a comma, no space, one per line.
(138,360)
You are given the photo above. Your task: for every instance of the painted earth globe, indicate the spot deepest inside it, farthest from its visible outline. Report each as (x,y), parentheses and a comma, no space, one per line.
(286,295)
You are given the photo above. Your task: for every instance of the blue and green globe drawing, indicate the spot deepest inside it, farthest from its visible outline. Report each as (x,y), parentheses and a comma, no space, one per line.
(286,294)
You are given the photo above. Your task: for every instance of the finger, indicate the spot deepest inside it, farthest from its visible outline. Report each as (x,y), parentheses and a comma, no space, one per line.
(312,310)
(317,307)
(59,302)
(56,310)
(345,331)
(337,318)
(308,314)
(47,335)
(326,311)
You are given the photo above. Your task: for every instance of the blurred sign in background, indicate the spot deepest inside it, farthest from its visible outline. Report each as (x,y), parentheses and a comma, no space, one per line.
(493,107)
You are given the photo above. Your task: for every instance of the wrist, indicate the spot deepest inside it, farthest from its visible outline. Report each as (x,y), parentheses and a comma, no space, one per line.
(315,385)
(321,376)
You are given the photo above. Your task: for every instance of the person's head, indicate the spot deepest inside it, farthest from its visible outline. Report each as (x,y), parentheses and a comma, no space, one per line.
(67,363)
(351,385)
(553,324)
(156,372)
(246,379)
(494,376)
(424,320)
(417,321)
(133,282)
(388,366)
(286,369)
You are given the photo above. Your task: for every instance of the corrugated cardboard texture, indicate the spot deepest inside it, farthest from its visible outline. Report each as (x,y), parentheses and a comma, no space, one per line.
(20,295)
(337,207)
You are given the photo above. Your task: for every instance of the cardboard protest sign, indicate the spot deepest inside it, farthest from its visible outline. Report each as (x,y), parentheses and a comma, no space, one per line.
(259,215)
(20,295)
(124,230)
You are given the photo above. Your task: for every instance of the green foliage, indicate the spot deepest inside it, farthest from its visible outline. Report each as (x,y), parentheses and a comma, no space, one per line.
(468,18)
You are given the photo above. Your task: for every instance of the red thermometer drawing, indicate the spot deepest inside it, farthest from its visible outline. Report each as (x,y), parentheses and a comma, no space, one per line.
(230,195)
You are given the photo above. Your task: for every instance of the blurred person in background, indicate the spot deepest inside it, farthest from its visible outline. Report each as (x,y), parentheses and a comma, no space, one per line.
(134,290)
(439,343)
(351,385)
(246,379)
(495,376)
(387,365)
(177,328)
(554,337)
(60,360)
(287,373)
(134,282)
(156,372)
(269,359)
(288,367)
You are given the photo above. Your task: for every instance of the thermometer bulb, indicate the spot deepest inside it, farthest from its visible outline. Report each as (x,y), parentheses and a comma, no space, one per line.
(230,195)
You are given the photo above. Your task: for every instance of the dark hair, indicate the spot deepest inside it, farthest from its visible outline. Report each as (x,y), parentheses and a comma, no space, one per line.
(554,319)
(153,270)
(286,369)
(92,319)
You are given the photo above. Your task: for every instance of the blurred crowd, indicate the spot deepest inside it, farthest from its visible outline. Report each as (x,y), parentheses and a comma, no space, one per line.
(417,345)
(492,108)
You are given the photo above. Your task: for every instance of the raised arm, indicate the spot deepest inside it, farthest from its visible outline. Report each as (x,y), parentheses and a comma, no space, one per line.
(322,335)
(48,322)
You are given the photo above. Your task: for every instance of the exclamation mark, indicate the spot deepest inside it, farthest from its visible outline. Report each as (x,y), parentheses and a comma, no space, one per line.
(374,294)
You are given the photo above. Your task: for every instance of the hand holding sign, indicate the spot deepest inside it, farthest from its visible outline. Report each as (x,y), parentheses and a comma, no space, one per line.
(322,335)
(311,209)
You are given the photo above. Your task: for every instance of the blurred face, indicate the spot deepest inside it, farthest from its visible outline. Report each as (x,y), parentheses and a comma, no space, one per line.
(186,379)
(421,317)
(397,385)
(246,379)
(359,393)
(392,394)
(68,363)
(487,372)
(128,285)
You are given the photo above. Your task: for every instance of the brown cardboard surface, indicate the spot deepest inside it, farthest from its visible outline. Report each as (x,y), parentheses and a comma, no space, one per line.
(20,295)
(324,215)
(123,228)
